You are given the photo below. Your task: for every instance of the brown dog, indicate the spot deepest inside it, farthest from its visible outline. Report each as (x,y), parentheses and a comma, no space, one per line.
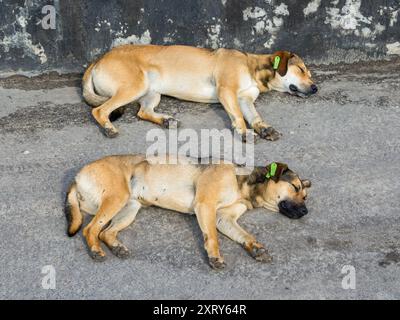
(145,72)
(116,187)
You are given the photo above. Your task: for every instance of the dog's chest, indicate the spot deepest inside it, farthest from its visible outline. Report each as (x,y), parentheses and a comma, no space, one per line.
(248,88)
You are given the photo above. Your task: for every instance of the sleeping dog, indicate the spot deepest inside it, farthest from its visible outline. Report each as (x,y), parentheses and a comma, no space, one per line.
(113,189)
(235,79)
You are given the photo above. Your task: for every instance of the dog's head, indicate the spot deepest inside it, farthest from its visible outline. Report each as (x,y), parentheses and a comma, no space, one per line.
(279,189)
(291,75)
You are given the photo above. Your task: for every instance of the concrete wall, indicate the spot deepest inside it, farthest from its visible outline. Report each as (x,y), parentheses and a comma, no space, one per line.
(323,31)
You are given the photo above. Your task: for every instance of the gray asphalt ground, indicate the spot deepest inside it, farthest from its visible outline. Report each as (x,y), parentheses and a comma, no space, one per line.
(346,140)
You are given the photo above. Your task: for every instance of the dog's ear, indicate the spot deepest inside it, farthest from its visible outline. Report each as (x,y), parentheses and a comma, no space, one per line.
(259,175)
(306,183)
(275,170)
(280,60)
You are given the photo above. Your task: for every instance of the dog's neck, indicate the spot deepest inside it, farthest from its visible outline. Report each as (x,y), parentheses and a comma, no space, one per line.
(261,69)
(248,191)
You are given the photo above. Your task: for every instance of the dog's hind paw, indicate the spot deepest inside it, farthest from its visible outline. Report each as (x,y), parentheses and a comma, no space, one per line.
(269,134)
(216,263)
(170,123)
(110,131)
(121,251)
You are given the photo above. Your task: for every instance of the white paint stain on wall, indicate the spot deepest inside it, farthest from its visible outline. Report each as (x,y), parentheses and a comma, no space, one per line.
(281,10)
(253,13)
(265,24)
(168,40)
(350,20)
(348,17)
(312,7)
(393,14)
(393,17)
(23,39)
(259,27)
(268,44)
(237,43)
(393,48)
(214,40)
(368,33)
(117,30)
(370,45)
(145,38)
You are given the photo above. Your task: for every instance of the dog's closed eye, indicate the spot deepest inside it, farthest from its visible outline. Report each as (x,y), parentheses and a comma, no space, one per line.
(301,69)
(297,189)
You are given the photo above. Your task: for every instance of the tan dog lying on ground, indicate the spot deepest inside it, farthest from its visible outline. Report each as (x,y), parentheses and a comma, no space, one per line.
(145,72)
(116,187)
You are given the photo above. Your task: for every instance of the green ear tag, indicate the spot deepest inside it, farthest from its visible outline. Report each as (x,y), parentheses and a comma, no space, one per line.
(276,62)
(272,170)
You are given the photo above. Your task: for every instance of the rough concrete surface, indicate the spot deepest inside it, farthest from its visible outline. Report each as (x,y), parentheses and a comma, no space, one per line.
(346,140)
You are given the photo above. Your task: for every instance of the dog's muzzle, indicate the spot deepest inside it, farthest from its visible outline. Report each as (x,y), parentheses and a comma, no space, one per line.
(292,210)
(314,89)
(294,89)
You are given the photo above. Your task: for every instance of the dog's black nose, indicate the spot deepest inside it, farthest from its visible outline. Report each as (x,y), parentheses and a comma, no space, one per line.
(284,204)
(303,210)
(293,88)
(314,88)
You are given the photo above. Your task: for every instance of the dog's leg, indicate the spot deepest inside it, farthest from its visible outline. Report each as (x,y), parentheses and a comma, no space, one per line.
(227,224)
(123,96)
(111,204)
(265,130)
(146,112)
(230,103)
(206,216)
(122,220)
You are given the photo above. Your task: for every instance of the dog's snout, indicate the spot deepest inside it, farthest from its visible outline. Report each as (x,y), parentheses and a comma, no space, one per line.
(293,88)
(314,88)
(284,204)
(303,210)
(292,210)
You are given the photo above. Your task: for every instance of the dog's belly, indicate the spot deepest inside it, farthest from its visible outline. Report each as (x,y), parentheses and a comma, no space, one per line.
(178,197)
(186,87)
(205,94)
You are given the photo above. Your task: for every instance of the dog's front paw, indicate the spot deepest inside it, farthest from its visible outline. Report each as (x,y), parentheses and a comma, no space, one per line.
(261,254)
(170,123)
(239,128)
(97,255)
(216,263)
(269,134)
(249,136)
(121,251)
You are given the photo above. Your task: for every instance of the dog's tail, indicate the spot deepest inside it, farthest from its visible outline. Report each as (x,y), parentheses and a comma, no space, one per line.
(72,211)
(89,93)
(92,98)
